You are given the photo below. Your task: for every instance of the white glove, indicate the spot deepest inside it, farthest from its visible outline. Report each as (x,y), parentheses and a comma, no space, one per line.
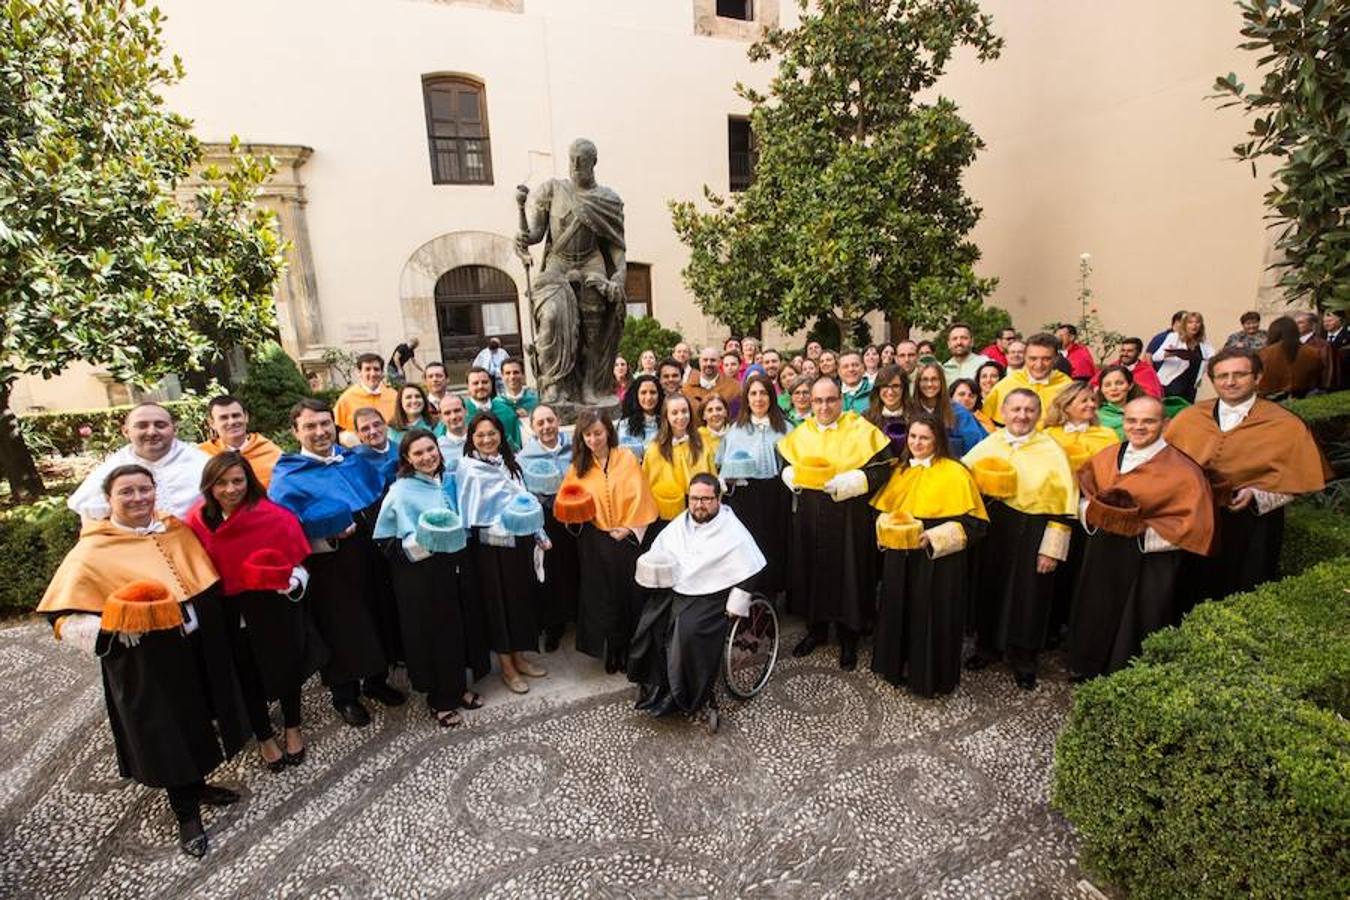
(80,631)
(738,602)
(129,638)
(789,476)
(847,485)
(415,551)
(299,583)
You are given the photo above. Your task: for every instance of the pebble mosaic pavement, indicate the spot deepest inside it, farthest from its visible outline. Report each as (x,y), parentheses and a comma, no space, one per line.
(829,784)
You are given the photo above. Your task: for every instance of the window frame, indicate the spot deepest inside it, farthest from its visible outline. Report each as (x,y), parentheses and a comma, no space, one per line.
(734,185)
(633,269)
(749,11)
(429,84)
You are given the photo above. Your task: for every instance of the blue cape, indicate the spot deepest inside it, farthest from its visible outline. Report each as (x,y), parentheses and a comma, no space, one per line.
(386,463)
(407,499)
(562,456)
(760,443)
(300,483)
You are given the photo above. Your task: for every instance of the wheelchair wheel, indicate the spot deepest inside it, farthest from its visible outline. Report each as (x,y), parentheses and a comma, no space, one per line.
(752,650)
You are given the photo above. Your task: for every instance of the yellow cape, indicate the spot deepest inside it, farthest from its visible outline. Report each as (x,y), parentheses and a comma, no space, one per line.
(671,476)
(942,490)
(1045,485)
(993,404)
(847,447)
(261,453)
(1081,446)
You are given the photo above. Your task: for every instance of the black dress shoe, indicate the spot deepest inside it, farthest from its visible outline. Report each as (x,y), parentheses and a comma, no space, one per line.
(192,838)
(354,714)
(276,765)
(1026,680)
(552,639)
(655,697)
(296,758)
(215,795)
(664,705)
(848,658)
(646,694)
(382,692)
(806,646)
(975,663)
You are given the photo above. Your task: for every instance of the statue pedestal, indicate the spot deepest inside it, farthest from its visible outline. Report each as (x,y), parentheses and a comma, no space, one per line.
(567,410)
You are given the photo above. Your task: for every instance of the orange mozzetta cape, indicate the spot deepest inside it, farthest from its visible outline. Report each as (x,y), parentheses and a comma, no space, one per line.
(1172,493)
(942,490)
(355,397)
(847,447)
(622,497)
(262,455)
(1080,446)
(107,558)
(1272,449)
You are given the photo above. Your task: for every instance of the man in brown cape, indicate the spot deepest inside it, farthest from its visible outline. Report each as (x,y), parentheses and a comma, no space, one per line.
(1258,456)
(1145,506)
(707,380)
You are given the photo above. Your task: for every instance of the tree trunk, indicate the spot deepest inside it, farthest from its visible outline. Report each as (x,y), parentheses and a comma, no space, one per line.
(897,329)
(15,458)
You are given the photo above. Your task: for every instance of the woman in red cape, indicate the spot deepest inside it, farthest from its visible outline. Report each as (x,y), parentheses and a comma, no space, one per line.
(258,547)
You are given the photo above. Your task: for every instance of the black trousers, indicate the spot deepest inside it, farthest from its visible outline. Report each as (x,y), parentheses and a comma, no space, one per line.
(255,703)
(350,691)
(848,638)
(186,801)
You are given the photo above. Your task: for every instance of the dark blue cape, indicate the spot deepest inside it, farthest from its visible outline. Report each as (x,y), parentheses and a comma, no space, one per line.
(301,484)
(386,463)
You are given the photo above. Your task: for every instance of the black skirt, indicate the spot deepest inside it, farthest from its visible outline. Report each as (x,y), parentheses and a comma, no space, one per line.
(921,616)
(679,644)
(1124,595)
(277,638)
(834,561)
(337,601)
(1013,609)
(507,590)
(430,612)
(764,506)
(609,602)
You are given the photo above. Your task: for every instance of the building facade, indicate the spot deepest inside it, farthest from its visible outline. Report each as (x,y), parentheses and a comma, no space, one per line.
(403,127)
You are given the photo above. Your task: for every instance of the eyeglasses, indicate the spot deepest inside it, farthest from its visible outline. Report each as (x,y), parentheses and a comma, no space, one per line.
(892,387)
(693,500)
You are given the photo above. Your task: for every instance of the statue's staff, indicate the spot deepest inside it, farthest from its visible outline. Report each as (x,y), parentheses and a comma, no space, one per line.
(522,196)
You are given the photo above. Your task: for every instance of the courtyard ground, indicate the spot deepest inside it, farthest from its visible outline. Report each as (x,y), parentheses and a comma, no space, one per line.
(827,784)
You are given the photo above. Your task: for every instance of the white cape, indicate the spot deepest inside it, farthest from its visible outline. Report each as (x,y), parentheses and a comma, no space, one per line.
(711,557)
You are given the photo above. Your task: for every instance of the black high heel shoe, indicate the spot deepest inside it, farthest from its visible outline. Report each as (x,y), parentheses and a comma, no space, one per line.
(296,758)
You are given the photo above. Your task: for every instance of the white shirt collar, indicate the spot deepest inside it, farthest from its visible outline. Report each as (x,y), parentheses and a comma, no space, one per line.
(332,457)
(830,427)
(716,434)
(855,388)
(926,462)
(1077,427)
(706,383)
(1045,380)
(1133,458)
(1014,440)
(676,441)
(759,421)
(155,527)
(1304,338)
(893,413)
(374,393)
(1231,417)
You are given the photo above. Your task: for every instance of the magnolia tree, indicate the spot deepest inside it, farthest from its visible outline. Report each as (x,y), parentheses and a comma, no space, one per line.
(98,259)
(857,203)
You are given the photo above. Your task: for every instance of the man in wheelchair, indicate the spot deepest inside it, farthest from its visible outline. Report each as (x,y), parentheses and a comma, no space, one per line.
(697,570)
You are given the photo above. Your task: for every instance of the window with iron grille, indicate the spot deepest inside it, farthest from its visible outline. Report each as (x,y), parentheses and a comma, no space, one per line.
(741,152)
(736,9)
(457,131)
(638,289)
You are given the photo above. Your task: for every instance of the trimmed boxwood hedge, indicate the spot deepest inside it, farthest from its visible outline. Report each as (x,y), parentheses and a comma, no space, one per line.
(59,432)
(33,541)
(1218,765)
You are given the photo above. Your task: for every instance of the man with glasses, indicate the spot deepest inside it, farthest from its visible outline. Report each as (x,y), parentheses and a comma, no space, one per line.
(836,460)
(676,651)
(998,350)
(1259,456)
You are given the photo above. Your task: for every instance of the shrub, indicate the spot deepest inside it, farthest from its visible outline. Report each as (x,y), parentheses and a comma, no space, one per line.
(59,432)
(33,541)
(1328,416)
(1218,765)
(646,334)
(273,386)
(1313,534)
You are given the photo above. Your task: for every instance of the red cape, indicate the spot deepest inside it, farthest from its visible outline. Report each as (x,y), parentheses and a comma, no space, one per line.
(264,525)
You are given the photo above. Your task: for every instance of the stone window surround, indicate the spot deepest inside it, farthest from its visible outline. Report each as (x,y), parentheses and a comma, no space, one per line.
(708,23)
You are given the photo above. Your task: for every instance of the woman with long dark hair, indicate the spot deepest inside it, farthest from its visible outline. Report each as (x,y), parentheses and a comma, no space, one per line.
(888,404)
(1115,388)
(1289,367)
(748,459)
(606,494)
(258,548)
(639,418)
(412,411)
(930,396)
(424,541)
(490,486)
(931,513)
(677,455)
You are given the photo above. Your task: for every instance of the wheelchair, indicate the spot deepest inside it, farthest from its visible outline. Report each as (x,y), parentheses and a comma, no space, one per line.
(751,650)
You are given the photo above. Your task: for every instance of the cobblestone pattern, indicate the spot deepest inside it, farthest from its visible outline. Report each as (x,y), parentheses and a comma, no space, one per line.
(827,784)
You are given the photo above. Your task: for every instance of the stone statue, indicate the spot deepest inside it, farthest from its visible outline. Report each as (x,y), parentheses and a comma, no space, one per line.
(577,300)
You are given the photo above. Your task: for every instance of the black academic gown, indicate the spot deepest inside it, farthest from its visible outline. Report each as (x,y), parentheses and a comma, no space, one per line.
(508,591)
(163,694)
(1247,555)
(557,595)
(1123,596)
(340,601)
(436,636)
(609,601)
(272,634)
(834,554)
(764,506)
(678,644)
(1012,613)
(922,614)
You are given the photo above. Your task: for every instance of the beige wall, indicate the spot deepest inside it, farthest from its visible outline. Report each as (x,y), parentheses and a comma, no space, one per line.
(1100,140)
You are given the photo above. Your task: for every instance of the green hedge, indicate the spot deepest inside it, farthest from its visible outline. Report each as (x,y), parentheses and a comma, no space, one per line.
(1313,534)
(1218,765)
(58,433)
(1328,416)
(33,541)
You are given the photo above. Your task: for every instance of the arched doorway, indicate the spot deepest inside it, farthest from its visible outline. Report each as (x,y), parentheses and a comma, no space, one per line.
(474,303)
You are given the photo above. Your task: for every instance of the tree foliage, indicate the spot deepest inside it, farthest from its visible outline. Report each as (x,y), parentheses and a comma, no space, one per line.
(100,260)
(646,334)
(857,203)
(1302,122)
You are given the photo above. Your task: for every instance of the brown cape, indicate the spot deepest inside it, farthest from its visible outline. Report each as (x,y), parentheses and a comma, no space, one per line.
(1272,449)
(107,558)
(1171,491)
